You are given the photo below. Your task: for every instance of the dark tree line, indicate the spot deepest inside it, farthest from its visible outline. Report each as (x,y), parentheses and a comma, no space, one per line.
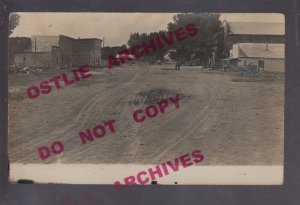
(137,38)
(206,47)
(107,51)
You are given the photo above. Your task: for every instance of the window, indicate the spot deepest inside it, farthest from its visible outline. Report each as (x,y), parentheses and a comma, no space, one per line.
(261,64)
(24,61)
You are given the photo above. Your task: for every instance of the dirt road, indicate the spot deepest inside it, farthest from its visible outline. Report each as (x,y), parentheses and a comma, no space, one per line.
(233,123)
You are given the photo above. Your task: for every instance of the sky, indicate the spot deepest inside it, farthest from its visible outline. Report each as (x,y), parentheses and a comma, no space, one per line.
(115,28)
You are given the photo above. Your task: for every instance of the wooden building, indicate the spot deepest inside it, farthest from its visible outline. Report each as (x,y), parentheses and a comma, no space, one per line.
(58,52)
(254,32)
(265,56)
(87,51)
(17,45)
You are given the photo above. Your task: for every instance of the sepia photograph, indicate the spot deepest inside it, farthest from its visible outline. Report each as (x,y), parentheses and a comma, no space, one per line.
(146,98)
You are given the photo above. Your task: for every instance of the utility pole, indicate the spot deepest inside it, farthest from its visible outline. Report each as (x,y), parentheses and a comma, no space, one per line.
(34,52)
(102,51)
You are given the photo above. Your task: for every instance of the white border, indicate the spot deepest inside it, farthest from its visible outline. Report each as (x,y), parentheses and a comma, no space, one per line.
(109,173)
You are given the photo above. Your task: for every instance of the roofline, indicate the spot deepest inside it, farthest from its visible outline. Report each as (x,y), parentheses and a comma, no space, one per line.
(262,43)
(88,39)
(256,34)
(68,37)
(43,36)
(11,38)
(34,52)
(255,22)
(65,36)
(55,36)
(18,37)
(262,57)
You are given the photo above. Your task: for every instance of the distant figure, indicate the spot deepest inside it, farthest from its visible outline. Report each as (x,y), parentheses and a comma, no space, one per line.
(178,64)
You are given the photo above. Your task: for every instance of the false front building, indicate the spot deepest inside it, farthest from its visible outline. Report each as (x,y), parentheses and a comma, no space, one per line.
(59,52)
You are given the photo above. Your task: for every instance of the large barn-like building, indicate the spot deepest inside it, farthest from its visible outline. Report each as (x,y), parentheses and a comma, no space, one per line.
(256,43)
(265,56)
(254,32)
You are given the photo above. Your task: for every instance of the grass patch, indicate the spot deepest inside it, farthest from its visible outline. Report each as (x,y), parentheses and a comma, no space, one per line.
(260,77)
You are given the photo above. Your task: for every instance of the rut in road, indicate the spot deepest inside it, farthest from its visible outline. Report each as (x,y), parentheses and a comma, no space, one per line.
(145,133)
(82,118)
(116,100)
(197,123)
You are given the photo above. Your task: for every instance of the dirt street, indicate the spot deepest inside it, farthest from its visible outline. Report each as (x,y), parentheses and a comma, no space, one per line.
(233,123)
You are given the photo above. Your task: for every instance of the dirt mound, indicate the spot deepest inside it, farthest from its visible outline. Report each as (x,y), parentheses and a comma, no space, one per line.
(154,95)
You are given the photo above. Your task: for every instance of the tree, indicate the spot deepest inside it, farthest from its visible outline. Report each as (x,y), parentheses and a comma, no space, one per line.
(108,51)
(123,47)
(160,53)
(13,22)
(134,39)
(207,45)
(139,39)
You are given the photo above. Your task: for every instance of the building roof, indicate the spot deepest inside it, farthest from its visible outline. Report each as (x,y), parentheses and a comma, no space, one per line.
(44,36)
(261,50)
(257,28)
(89,39)
(19,37)
(32,53)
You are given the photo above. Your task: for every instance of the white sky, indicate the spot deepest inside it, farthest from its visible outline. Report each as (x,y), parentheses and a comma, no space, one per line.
(115,27)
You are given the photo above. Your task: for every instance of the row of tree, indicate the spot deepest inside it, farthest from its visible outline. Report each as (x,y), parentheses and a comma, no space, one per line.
(209,45)
(206,47)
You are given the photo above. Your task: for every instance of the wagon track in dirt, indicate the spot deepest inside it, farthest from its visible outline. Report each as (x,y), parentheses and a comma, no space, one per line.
(226,120)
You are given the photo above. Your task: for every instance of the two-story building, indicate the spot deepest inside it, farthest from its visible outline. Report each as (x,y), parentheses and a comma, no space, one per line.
(59,52)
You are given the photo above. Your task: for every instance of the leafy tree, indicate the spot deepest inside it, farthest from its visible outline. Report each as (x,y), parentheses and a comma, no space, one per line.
(123,47)
(134,39)
(160,53)
(108,51)
(227,42)
(13,22)
(209,41)
(138,39)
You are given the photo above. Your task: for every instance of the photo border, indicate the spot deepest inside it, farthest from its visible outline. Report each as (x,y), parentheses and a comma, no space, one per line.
(57,194)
